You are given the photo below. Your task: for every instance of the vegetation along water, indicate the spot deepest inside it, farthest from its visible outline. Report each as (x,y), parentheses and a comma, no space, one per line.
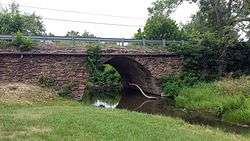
(208,99)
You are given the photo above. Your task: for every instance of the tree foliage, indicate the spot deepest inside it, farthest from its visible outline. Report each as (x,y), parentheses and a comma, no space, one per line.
(85,34)
(216,26)
(224,17)
(159,27)
(101,75)
(73,33)
(12,21)
(164,7)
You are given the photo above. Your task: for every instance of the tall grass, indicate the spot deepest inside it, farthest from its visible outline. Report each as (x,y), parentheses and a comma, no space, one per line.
(228,98)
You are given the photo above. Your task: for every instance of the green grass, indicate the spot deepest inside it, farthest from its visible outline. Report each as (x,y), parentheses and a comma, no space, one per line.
(30,112)
(228,98)
(69,120)
(241,115)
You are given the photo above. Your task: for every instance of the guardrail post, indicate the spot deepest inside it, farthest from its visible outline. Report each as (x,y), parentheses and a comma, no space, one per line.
(164,42)
(143,43)
(122,42)
(73,41)
(99,41)
(44,39)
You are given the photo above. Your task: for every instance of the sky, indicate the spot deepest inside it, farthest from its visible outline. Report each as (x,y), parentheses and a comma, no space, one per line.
(132,13)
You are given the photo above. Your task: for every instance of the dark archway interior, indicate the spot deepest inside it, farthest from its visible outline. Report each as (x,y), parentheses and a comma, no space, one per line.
(133,72)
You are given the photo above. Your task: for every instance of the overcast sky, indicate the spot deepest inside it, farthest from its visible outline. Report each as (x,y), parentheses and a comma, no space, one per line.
(134,11)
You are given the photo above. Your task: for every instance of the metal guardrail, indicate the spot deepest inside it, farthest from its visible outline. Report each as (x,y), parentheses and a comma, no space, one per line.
(122,41)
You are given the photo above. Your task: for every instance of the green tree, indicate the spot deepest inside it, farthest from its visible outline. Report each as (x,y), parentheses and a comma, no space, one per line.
(222,19)
(160,27)
(12,21)
(139,34)
(164,7)
(73,33)
(85,34)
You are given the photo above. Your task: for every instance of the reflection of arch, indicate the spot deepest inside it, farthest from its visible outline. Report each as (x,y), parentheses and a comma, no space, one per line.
(133,72)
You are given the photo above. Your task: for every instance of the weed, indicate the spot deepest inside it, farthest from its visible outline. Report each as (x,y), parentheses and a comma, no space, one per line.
(22,43)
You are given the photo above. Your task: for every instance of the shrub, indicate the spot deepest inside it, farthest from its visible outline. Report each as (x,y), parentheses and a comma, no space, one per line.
(63,91)
(100,74)
(4,44)
(47,82)
(21,42)
(173,84)
(66,90)
(190,78)
(111,76)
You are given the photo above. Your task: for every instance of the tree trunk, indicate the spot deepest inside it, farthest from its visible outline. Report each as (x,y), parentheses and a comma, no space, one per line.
(222,61)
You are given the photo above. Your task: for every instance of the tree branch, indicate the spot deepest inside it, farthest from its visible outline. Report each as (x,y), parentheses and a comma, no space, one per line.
(247,19)
(229,6)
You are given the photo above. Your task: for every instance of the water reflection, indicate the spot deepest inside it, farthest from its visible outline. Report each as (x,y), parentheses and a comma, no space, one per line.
(102,104)
(108,100)
(132,100)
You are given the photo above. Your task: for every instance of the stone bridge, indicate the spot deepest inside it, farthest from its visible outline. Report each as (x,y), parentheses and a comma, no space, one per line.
(143,69)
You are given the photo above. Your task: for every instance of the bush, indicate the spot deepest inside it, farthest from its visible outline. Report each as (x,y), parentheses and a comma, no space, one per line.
(47,82)
(111,76)
(4,44)
(100,74)
(173,84)
(66,90)
(21,42)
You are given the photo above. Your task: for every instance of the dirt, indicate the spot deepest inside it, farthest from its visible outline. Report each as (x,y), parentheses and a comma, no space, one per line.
(24,93)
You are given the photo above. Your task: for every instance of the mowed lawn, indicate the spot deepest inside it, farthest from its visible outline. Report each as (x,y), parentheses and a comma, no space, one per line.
(63,119)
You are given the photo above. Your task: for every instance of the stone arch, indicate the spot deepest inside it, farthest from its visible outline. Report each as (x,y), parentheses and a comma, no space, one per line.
(132,72)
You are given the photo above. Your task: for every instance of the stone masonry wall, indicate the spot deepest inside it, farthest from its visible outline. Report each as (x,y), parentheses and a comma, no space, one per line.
(162,65)
(64,68)
(28,69)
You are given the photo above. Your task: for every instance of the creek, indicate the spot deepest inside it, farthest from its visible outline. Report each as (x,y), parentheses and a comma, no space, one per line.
(133,100)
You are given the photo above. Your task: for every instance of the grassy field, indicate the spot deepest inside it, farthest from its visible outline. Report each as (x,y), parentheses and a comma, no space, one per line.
(69,120)
(229,98)
(64,119)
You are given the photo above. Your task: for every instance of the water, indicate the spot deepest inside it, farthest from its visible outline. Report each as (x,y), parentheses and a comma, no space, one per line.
(132,100)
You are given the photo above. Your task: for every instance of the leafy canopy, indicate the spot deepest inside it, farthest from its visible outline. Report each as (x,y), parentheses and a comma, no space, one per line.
(86,34)
(222,17)
(100,74)
(13,21)
(159,27)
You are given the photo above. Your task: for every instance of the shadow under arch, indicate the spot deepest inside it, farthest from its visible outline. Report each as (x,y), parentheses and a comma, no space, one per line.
(132,72)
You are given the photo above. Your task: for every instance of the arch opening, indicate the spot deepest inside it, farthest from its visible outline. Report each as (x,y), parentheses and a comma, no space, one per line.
(133,72)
